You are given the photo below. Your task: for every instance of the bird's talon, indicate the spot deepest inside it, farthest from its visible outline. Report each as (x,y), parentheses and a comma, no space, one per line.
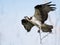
(38,31)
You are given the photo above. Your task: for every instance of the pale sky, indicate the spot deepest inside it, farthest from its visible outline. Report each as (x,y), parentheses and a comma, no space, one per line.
(12,31)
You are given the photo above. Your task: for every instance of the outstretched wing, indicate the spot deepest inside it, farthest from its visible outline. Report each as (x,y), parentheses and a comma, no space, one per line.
(27,25)
(48,7)
(41,11)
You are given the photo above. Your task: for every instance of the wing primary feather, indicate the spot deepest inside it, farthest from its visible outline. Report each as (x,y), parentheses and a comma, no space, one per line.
(48,3)
(53,8)
(52,5)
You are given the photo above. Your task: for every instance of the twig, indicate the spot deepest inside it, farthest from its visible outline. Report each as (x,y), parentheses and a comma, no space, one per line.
(45,36)
(40,36)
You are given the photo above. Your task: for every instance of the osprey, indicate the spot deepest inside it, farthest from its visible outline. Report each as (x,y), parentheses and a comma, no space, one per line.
(39,17)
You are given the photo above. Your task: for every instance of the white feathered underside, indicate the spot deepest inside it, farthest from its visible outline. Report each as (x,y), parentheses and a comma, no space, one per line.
(35,21)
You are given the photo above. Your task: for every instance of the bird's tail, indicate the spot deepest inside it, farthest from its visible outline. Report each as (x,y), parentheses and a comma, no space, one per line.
(46,28)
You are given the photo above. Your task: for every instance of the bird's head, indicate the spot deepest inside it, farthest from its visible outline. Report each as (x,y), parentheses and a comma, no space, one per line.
(28,18)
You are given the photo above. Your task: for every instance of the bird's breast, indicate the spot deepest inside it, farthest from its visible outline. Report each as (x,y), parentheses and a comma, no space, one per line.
(35,21)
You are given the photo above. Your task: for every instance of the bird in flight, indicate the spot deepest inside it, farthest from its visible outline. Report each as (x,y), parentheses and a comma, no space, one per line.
(39,17)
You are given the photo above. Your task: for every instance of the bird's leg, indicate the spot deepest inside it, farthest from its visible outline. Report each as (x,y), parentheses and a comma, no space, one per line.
(39,27)
(38,30)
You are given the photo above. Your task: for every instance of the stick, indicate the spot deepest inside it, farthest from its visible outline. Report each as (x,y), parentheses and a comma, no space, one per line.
(40,36)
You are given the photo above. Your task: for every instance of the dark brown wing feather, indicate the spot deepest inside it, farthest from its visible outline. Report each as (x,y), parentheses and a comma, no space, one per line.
(27,25)
(47,7)
(41,11)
